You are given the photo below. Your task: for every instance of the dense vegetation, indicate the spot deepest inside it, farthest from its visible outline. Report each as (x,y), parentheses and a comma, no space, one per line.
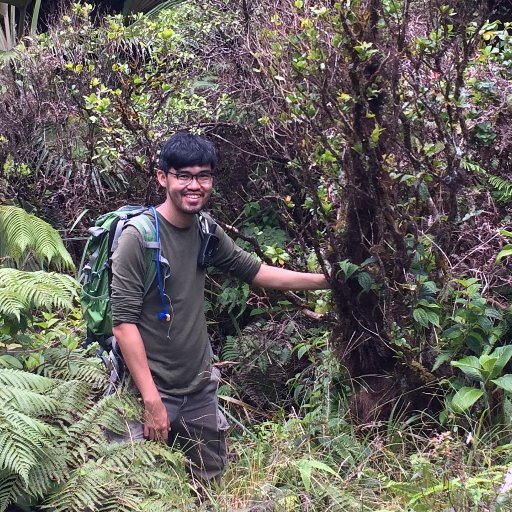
(366,140)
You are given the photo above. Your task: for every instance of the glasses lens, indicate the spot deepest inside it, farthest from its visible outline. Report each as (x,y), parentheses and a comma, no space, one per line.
(204,177)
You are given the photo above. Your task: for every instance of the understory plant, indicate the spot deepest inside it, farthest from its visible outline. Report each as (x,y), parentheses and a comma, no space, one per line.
(53,450)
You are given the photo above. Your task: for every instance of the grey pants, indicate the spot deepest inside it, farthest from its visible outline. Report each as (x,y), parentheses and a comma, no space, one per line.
(197,427)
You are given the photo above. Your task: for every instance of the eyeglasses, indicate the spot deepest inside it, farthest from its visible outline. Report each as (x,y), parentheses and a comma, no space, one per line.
(185,178)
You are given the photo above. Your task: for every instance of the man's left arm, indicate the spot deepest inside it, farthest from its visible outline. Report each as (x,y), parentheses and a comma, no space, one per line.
(278,278)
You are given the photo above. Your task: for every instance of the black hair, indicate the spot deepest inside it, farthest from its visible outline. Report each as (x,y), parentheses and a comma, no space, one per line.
(184,149)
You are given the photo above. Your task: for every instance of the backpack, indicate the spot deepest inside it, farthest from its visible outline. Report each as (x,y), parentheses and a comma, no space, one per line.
(96,274)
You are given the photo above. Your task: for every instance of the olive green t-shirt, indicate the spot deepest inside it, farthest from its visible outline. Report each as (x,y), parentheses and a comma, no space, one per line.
(178,351)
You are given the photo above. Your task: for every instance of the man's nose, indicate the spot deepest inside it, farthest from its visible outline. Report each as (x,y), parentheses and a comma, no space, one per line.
(194,183)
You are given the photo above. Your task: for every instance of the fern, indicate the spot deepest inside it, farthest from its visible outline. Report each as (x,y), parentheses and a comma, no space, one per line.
(53,451)
(26,240)
(502,186)
(24,380)
(106,483)
(62,363)
(22,291)
(31,456)
(108,414)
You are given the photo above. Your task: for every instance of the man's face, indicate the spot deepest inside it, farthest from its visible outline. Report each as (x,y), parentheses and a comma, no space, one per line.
(189,188)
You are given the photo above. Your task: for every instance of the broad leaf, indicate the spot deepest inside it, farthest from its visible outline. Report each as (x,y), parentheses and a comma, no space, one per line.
(470,366)
(365,280)
(348,268)
(505,253)
(421,316)
(443,357)
(465,398)
(503,355)
(504,382)
(487,364)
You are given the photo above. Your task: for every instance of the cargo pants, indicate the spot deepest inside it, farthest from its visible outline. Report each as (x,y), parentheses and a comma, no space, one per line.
(197,427)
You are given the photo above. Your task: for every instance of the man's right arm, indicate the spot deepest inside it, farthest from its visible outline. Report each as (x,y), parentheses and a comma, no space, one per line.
(156,421)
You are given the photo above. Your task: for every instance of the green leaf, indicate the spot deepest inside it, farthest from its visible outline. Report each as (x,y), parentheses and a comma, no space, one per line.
(306,465)
(348,268)
(470,365)
(433,318)
(452,332)
(440,359)
(302,350)
(487,363)
(10,362)
(425,317)
(366,281)
(504,253)
(503,355)
(465,398)
(504,382)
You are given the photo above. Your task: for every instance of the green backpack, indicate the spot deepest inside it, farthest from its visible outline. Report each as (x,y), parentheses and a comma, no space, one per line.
(96,274)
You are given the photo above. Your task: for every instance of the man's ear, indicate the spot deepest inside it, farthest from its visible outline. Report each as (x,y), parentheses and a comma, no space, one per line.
(161,177)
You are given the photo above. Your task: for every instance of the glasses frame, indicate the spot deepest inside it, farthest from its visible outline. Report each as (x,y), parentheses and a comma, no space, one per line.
(206,176)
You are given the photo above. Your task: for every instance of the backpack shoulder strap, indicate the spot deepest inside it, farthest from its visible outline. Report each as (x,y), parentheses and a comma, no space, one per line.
(206,223)
(209,240)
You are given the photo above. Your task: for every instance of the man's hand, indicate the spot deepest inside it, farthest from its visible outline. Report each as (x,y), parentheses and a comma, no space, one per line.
(156,420)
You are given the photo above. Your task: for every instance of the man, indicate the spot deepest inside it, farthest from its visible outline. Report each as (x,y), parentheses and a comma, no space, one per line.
(168,353)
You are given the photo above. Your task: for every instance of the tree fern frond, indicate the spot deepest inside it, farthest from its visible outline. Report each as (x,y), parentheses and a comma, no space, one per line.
(51,471)
(11,304)
(11,486)
(62,363)
(24,380)
(108,413)
(20,451)
(16,228)
(25,234)
(30,290)
(31,402)
(74,399)
(44,477)
(122,479)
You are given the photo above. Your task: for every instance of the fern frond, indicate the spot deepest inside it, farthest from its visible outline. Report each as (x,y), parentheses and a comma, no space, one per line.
(31,402)
(21,291)
(24,380)
(67,462)
(229,351)
(21,441)
(127,476)
(11,486)
(11,304)
(51,471)
(502,186)
(26,235)
(62,363)
(108,413)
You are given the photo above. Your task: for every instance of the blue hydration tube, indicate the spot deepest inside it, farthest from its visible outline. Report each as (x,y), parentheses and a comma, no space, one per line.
(164,314)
